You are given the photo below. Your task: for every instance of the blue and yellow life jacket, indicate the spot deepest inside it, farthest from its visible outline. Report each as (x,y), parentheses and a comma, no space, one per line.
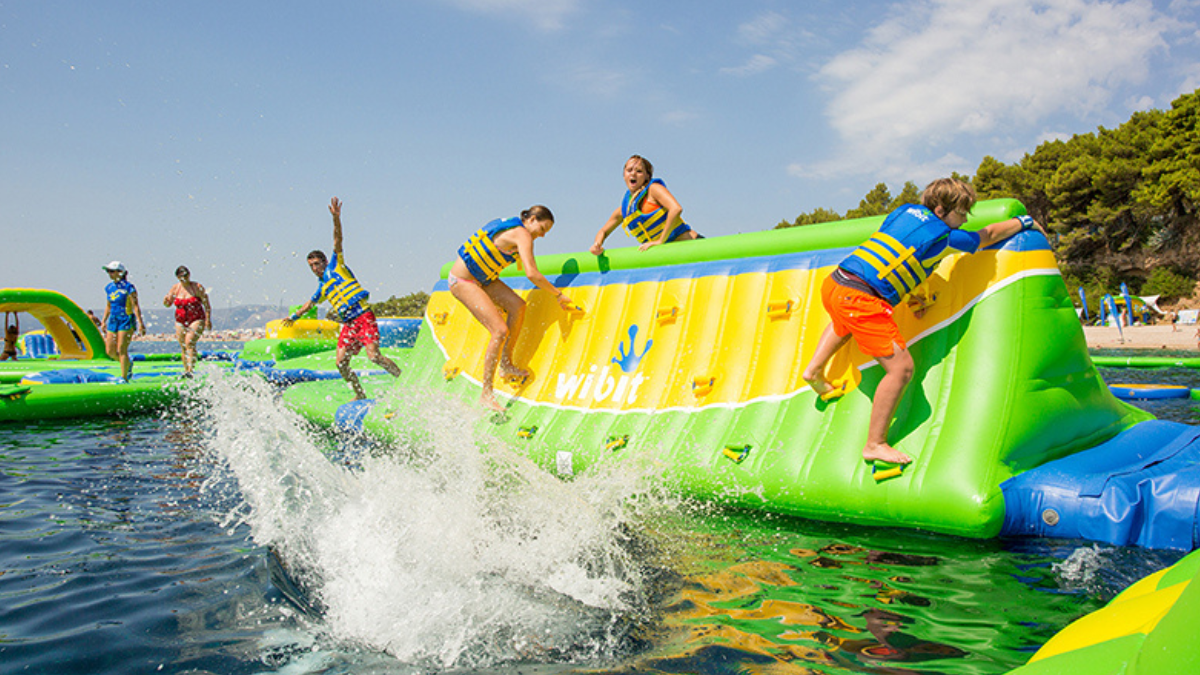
(481,255)
(906,249)
(646,227)
(342,290)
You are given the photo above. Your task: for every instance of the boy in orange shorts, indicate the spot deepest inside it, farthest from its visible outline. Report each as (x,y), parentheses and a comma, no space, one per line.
(863,291)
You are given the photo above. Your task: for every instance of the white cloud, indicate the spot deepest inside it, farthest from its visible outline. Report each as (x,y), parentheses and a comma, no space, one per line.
(763,29)
(1141,103)
(544,14)
(1047,136)
(940,70)
(773,39)
(595,81)
(1190,83)
(679,117)
(757,64)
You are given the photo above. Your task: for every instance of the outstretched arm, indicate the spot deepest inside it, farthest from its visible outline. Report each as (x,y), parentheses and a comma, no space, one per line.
(308,304)
(529,264)
(304,309)
(1005,229)
(609,225)
(335,208)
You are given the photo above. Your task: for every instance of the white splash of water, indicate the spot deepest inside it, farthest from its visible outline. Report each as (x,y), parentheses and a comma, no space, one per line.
(447,550)
(1080,568)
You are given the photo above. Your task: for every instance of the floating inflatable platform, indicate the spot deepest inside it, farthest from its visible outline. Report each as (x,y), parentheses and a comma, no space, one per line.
(75,378)
(688,357)
(1148,392)
(1112,361)
(32,402)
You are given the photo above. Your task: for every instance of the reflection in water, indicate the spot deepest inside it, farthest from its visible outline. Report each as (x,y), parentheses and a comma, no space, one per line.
(739,619)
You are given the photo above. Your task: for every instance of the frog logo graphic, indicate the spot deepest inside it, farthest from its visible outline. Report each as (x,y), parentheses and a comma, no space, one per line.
(600,384)
(629,362)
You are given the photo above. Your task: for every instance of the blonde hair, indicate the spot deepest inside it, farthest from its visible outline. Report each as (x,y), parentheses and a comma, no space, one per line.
(952,194)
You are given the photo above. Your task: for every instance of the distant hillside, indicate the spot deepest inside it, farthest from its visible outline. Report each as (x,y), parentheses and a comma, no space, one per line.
(224,318)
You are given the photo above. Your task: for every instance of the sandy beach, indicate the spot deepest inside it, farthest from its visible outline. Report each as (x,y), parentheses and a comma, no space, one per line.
(1141,337)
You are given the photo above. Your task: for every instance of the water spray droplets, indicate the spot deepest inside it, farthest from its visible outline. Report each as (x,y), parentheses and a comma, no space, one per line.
(444,548)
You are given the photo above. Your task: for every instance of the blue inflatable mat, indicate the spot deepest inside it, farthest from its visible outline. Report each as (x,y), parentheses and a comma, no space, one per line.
(1141,488)
(87,376)
(1134,392)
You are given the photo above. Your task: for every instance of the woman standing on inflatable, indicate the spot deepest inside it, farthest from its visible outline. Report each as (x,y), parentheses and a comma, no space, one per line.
(193,315)
(474,281)
(649,212)
(121,315)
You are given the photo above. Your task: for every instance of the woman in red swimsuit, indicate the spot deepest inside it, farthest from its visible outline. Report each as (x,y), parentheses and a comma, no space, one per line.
(193,315)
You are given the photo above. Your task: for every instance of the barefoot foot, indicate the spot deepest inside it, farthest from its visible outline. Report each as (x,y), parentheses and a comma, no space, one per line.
(885,453)
(818,383)
(511,372)
(826,390)
(489,401)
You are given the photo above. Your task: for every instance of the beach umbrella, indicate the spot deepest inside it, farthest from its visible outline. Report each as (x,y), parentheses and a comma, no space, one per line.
(1083,301)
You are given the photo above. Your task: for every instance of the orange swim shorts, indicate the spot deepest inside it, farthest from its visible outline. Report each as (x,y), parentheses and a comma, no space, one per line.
(865,316)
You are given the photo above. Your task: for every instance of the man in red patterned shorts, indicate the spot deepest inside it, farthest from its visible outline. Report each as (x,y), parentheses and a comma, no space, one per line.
(349,300)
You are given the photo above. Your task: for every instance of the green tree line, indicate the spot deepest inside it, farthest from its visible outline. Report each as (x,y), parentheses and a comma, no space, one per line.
(410,305)
(1121,204)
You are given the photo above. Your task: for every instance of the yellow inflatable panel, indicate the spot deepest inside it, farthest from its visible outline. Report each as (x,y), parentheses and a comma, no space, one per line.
(310,329)
(674,352)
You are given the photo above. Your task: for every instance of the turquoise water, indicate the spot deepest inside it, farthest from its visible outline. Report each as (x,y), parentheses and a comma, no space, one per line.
(171,543)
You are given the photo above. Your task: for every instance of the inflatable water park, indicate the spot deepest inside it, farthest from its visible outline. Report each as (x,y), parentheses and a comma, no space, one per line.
(63,370)
(687,357)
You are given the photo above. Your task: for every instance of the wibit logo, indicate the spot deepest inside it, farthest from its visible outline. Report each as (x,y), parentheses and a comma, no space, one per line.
(600,384)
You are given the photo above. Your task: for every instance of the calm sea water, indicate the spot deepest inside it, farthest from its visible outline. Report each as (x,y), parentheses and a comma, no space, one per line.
(220,538)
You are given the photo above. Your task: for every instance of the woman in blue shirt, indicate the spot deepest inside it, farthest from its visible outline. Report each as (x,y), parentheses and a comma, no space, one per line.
(121,316)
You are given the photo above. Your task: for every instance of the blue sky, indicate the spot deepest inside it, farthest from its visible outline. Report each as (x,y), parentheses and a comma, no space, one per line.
(213,134)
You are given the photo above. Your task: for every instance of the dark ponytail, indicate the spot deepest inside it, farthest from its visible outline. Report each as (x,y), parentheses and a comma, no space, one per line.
(537,212)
